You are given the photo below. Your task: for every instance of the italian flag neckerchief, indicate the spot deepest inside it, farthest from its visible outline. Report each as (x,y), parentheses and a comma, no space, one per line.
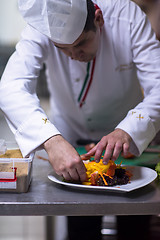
(87,83)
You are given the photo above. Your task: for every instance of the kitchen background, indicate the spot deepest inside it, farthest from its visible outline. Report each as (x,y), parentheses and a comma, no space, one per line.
(11,25)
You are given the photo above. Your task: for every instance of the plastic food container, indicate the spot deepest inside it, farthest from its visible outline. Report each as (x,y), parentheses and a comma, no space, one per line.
(15,171)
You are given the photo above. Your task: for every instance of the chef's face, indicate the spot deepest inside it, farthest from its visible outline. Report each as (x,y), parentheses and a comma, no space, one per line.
(85,47)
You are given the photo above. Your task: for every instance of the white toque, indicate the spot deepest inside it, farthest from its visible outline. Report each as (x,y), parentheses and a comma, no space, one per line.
(61,20)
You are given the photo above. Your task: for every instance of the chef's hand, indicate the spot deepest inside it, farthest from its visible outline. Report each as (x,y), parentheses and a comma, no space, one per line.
(64,159)
(112,144)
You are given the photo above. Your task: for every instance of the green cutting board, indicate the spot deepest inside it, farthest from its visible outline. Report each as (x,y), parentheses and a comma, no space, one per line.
(146,159)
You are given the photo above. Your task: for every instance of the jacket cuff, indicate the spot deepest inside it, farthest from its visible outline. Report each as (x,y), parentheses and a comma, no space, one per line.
(141,129)
(35,131)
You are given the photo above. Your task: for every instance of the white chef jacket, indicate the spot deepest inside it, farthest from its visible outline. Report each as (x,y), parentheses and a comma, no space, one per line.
(87,101)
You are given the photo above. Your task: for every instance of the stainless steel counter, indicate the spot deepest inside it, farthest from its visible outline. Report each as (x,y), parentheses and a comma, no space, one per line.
(46,198)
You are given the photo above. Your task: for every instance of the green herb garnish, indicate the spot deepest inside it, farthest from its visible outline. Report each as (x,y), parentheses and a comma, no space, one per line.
(157,168)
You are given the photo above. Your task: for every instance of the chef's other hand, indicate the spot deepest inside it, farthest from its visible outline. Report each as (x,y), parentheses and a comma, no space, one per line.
(113,144)
(64,159)
(89,146)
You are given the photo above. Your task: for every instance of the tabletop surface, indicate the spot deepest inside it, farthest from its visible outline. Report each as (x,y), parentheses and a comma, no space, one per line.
(46,198)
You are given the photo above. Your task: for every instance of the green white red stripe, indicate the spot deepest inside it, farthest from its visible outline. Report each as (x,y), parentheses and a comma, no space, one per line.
(87,83)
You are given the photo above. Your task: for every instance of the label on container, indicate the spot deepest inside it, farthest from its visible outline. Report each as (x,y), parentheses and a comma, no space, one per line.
(8,185)
(8,180)
(6,175)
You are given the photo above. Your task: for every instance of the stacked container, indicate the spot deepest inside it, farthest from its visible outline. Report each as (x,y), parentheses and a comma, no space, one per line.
(15,171)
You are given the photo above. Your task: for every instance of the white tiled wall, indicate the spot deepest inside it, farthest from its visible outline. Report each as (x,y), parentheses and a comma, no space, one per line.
(19,227)
(22,228)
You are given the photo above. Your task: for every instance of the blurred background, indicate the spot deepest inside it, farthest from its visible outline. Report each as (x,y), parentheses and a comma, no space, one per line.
(11,25)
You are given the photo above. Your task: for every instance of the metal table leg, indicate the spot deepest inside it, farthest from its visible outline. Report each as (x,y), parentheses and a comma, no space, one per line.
(49,227)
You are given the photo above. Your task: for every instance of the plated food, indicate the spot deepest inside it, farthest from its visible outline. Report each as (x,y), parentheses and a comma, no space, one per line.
(111,174)
(141,177)
(138,177)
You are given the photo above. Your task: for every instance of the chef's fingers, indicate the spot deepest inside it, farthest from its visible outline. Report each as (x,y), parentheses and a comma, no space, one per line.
(117,150)
(99,149)
(75,171)
(90,153)
(89,146)
(125,148)
(81,170)
(74,175)
(67,176)
(108,152)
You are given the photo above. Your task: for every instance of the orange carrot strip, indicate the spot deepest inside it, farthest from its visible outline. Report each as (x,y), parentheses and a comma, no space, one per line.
(107,175)
(105,182)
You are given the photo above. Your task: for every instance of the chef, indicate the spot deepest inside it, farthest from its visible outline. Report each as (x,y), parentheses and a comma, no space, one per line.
(95,78)
(99,59)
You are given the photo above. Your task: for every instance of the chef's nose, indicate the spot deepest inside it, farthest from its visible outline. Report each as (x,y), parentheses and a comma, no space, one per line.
(75,53)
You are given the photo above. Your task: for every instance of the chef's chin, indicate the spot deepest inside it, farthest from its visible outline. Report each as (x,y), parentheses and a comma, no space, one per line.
(86,59)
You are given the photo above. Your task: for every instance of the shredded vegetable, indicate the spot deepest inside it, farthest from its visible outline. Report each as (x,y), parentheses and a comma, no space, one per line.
(94,170)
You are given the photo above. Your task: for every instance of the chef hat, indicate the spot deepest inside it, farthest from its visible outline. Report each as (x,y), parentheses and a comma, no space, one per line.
(61,20)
